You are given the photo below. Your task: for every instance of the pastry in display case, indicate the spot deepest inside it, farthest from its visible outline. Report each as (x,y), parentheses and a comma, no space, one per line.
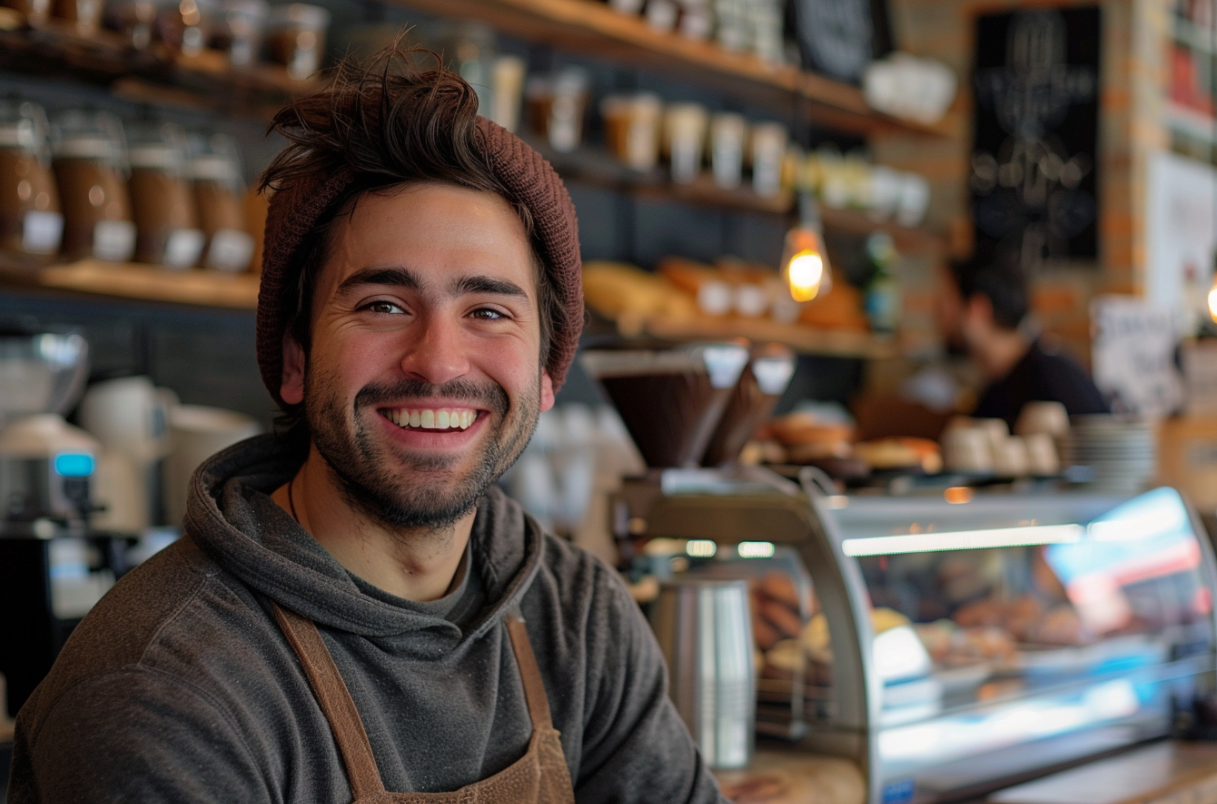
(949,645)
(952,649)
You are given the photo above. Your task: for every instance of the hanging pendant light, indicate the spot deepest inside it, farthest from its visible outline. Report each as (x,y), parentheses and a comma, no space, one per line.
(805,265)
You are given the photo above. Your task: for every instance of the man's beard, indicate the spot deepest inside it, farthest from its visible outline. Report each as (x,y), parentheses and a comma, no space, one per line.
(427,494)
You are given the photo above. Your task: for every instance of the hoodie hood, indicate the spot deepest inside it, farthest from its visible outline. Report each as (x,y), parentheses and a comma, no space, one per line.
(231,517)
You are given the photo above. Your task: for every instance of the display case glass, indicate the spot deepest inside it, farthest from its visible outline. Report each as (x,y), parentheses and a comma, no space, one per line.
(1007,635)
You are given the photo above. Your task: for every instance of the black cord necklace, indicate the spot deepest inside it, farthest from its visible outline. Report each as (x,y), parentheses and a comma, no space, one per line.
(291,502)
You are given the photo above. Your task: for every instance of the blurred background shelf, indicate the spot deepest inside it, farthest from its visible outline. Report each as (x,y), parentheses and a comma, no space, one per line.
(594,29)
(141,282)
(803,339)
(597,167)
(158,75)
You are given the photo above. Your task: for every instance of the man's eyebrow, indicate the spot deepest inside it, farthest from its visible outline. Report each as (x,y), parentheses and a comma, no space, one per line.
(397,277)
(486,284)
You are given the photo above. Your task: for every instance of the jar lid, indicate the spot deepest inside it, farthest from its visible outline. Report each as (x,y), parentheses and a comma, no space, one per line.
(213,167)
(23,126)
(86,146)
(300,14)
(155,156)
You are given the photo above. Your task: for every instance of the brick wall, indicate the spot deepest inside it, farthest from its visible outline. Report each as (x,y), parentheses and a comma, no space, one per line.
(1131,100)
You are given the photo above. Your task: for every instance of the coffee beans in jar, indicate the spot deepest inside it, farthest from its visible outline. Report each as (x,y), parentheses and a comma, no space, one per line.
(296,37)
(215,167)
(90,164)
(162,204)
(30,219)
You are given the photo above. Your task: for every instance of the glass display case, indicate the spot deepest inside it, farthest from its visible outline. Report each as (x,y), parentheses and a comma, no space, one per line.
(963,642)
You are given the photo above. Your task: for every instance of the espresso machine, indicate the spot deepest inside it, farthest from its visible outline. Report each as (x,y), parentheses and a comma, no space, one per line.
(53,566)
(948,644)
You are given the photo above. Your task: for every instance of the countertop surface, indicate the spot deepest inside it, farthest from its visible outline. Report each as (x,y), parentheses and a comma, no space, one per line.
(1169,772)
(786,777)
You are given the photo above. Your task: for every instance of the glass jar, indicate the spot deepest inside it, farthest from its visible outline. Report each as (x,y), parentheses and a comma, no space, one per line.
(34,10)
(296,37)
(85,13)
(469,51)
(90,162)
(30,217)
(162,205)
(238,30)
(215,168)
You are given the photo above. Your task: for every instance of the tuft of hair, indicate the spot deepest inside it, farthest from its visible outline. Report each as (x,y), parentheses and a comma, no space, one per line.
(391,121)
(999,279)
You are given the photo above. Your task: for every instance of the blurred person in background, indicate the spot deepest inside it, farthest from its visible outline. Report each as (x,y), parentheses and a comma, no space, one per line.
(982,312)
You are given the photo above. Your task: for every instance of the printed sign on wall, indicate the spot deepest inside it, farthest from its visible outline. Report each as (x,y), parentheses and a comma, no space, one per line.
(1035,146)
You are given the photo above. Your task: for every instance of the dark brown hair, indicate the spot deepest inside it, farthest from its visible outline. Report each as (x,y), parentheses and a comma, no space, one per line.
(391,124)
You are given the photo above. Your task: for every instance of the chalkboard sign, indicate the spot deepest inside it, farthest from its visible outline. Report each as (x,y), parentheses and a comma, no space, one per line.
(1035,148)
(840,38)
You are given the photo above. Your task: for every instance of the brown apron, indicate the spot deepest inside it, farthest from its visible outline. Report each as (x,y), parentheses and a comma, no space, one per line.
(540,775)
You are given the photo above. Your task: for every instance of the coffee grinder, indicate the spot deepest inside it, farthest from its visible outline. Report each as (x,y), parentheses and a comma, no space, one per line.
(690,409)
(53,568)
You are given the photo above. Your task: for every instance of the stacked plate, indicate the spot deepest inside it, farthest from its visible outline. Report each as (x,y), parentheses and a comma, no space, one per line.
(1121,451)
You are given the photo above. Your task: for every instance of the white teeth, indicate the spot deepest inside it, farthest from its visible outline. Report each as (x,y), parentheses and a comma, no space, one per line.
(446,419)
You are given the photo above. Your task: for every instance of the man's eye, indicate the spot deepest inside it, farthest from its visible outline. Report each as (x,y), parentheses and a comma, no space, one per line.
(486,314)
(383,307)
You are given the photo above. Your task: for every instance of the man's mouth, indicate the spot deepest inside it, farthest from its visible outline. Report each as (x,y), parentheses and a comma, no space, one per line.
(434,419)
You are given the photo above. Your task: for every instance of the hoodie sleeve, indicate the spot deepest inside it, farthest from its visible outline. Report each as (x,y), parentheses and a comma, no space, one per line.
(635,746)
(131,735)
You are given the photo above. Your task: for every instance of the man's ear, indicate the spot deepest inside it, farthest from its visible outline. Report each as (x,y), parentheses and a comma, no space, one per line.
(292,389)
(547,391)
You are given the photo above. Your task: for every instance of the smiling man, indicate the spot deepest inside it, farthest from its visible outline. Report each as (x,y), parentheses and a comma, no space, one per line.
(355,608)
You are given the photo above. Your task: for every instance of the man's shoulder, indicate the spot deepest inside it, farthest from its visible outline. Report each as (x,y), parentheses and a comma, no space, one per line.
(154,624)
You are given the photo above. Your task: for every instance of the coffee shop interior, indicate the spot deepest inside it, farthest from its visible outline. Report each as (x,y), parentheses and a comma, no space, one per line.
(804,225)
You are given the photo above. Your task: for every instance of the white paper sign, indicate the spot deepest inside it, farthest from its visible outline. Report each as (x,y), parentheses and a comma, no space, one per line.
(41,232)
(114,241)
(1133,355)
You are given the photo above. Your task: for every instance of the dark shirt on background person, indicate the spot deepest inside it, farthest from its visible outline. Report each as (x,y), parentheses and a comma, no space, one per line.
(1043,375)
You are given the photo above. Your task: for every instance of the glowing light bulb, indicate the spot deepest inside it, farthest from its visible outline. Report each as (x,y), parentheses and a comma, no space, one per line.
(805,274)
(1213,303)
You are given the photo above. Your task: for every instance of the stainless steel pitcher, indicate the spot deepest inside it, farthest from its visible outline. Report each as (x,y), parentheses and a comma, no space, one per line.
(705,631)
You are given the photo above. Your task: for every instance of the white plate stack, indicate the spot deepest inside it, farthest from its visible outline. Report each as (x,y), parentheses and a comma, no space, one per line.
(1121,451)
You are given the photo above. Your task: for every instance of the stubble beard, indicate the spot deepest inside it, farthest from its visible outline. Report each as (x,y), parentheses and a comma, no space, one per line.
(403,490)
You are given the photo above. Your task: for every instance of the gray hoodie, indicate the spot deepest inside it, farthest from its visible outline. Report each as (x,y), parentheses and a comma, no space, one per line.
(180,687)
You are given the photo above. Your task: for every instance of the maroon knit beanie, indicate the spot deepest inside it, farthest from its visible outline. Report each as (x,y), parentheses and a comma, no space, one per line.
(532,182)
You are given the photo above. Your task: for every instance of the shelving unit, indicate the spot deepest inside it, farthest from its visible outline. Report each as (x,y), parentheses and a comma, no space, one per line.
(157,75)
(206,81)
(799,337)
(597,167)
(143,282)
(593,28)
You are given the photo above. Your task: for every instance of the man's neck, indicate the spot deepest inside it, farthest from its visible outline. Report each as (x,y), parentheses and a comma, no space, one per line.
(415,564)
(1001,352)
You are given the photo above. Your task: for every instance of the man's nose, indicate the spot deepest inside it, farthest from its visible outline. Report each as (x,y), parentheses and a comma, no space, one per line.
(437,352)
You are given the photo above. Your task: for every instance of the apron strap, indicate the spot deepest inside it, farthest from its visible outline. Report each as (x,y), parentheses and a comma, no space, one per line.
(534,687)
(335,701)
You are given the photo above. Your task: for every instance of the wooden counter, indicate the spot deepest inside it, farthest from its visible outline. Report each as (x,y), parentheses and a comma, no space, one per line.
(1162,773)
(794,777)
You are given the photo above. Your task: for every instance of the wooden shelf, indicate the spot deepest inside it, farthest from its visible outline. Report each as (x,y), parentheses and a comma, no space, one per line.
(592,28)
(803,339)
(143,282)
(599,168)
(157,75)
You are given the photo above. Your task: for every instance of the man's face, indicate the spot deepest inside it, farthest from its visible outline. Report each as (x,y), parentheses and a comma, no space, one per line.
(424,381)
